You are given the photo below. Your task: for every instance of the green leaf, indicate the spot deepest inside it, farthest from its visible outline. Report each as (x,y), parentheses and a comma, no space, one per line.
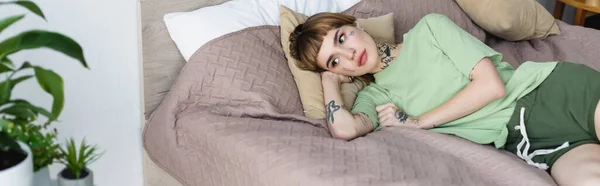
(38,39)
(4,23)
(72,156)
(52,83)
(4,68)
(7,86)
(6,89)
(42,111)
(25,65)
(82,149)
(77,158)
(4,124)
(31,6)
(88,154)
(35,109)
(77,174)
(92,156)
(5,60)
(19,111)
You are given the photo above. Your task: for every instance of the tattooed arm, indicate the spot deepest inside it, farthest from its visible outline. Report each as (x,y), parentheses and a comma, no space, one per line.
(342,124)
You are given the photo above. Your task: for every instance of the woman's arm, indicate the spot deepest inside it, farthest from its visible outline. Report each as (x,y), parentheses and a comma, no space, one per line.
(485,87)
(474,60)
(342,124)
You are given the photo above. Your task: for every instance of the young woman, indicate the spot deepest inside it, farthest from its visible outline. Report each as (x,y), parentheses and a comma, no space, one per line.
(443,79)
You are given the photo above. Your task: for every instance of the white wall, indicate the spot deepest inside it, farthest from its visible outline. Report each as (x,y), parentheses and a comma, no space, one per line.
(103,104)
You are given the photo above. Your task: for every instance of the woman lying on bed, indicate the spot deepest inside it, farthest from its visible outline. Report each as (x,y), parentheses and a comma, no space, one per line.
(445,80)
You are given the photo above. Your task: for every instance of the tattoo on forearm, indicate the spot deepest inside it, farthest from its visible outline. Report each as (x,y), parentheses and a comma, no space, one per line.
(401,116)
(331,107)
(385,51)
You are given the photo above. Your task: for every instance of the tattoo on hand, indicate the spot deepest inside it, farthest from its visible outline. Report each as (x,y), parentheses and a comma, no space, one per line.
(385,50)
(331,107)
(401,116)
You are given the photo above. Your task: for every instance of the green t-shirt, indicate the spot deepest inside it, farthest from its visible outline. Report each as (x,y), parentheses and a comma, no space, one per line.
(434,64)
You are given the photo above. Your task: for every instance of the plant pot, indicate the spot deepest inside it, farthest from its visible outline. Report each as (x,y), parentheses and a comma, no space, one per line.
(85,180)
(42,177)
(20,174)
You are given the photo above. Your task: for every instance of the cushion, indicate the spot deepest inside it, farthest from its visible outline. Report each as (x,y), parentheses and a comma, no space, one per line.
(190,30)
(512,20)
(407,14)
(309,83)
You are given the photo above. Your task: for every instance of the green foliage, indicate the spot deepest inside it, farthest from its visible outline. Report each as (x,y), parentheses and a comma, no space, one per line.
(9,21)
(31,6)
(9,142)
(77,160)
(39,38)
(43,144)
(52,83)
(19,118)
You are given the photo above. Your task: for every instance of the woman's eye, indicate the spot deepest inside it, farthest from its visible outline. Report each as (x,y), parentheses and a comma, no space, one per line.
(342,39)
(335,62)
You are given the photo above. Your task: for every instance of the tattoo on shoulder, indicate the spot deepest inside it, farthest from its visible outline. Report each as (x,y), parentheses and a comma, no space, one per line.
(330,108)
(385,51)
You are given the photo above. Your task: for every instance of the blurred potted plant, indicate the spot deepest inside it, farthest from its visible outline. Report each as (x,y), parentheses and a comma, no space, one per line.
(24,138)
(76,172)
(16,162)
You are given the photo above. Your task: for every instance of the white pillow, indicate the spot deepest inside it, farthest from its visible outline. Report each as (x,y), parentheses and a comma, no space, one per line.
(191,30)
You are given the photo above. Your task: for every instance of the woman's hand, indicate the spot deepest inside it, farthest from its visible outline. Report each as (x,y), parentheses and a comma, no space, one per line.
(391,116)
(335,78)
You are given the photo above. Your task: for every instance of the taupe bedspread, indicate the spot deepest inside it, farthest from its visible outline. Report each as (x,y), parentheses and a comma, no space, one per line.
(233,117)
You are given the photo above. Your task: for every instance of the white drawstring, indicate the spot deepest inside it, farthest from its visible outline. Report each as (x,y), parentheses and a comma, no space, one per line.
(525,141)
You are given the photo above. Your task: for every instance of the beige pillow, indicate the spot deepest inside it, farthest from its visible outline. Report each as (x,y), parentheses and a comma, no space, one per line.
(309,83)
(512,20)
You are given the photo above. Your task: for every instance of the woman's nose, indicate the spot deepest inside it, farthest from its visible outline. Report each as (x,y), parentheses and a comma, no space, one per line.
(348,53)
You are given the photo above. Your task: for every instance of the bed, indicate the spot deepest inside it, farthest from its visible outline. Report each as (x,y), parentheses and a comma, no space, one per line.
(224,118)
(161,68)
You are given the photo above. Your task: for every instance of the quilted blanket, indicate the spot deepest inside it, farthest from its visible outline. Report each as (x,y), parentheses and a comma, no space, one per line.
(234,117)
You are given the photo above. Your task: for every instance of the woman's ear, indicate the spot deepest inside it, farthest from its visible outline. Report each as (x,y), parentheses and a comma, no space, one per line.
(357,23)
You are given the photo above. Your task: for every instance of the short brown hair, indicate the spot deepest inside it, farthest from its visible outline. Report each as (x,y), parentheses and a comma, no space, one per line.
(307,38)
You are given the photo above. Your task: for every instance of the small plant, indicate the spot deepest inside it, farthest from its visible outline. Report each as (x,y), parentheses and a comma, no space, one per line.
(20,119)
(77,160)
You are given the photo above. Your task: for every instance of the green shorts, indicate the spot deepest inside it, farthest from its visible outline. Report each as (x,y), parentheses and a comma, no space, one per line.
(560,110)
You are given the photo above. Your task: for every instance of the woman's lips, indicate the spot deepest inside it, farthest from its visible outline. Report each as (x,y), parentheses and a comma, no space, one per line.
(363,58)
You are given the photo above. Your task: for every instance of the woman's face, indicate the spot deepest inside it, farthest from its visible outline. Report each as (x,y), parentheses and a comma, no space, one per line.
(348,51)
